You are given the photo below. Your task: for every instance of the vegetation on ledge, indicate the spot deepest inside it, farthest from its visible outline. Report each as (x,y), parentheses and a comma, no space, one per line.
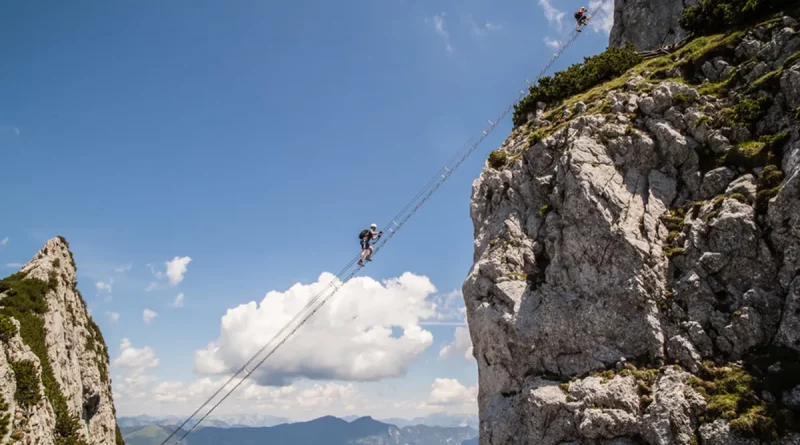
(710,16)
(576,79)
(736,393)
(26,301)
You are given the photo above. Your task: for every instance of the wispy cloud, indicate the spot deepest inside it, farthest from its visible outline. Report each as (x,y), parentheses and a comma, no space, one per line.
(606,9)
(113,316)
(178,302)
(148,316)
(14,265)
(482,30)
(4,241)
(10,129)
(124,268)
(439,25)
(449,309)
(103,286)
(552,14)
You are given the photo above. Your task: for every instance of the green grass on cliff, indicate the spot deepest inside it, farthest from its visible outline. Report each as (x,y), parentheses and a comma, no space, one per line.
(735,393)
(711,16)
(26,301)
(576,79)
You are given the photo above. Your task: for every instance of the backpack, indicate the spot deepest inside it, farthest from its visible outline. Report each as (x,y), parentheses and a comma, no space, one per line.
(363,233)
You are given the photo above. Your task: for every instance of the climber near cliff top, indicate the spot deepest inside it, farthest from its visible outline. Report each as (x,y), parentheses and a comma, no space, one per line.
(366,236)
(581,18)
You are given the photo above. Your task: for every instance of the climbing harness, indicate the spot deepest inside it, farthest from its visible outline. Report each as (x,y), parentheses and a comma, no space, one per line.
(349,271)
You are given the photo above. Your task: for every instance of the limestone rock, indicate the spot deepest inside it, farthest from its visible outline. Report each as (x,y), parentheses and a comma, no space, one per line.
(75,352)
(638,249)
(715,182)
(647,24)
(744,185)
(669,419)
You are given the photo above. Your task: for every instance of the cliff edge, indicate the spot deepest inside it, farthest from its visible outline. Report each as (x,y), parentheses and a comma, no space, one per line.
(54,381)
(637,248)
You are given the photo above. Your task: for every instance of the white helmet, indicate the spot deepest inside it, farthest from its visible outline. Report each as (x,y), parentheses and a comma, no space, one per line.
(373,226)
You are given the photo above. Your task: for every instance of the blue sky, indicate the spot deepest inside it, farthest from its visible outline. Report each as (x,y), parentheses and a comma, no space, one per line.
(250,142)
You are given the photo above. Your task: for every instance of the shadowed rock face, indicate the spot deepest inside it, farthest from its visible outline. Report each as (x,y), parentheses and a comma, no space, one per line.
(61,343)
(647,24)
(615,241)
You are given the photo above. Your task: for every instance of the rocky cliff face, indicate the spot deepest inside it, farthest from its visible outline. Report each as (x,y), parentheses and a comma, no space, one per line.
(55,387)
(635,276)
(648,24)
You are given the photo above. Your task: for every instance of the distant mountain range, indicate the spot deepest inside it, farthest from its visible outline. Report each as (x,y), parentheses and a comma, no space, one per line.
(326,430)
(253,420)
(437,419)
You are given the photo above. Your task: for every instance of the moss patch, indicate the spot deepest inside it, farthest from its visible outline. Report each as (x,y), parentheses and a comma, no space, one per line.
(769,184)
(749,111)
(535,137)
(673,220)
(716,89)
(497,159)
(517,276)
(770,177)
(709,16)
(739,197)
(734,393)
(748,154)
(768,82)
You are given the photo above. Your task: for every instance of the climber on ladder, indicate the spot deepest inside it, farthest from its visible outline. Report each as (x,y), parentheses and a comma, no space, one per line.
(366,236)
(581,18)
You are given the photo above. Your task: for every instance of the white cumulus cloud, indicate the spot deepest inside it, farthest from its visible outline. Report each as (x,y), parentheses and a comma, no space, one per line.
(148,315)
(452,392)
(461,345)
(176,269)
(178,301)
(551,13)
(135,359)
(368,331)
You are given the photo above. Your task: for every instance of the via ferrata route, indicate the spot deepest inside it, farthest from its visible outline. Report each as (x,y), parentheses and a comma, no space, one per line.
(352,268)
